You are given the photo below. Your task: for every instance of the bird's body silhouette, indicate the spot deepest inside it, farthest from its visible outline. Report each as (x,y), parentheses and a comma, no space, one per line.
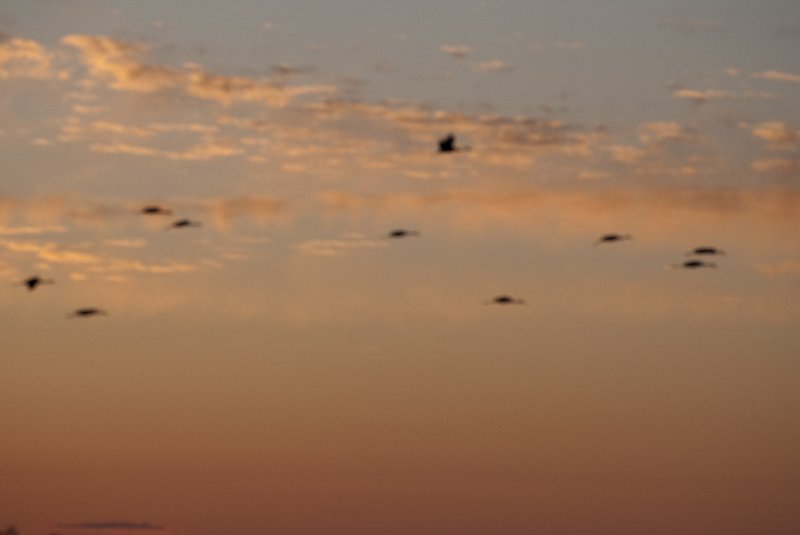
(613,237)
(154,209)
(183,223)
(694,264)
(505,300)
(402,233)
(706,251)
(448,144)
(31,283)
(87,312)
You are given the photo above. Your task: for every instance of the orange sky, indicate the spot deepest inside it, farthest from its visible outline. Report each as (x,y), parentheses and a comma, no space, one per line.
(287,368)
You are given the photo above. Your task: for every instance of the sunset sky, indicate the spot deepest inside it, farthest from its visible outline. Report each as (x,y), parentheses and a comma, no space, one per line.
(286,368)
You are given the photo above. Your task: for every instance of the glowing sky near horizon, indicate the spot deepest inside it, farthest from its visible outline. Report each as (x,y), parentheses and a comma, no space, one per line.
(286,368)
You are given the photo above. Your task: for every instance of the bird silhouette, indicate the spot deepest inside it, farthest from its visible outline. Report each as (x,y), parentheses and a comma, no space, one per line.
(448,144)
(694,264)
(613,237)
(33,282)
(402,233)
(86,312)
(183,223)
(154,209)
(706,250)
(505,300)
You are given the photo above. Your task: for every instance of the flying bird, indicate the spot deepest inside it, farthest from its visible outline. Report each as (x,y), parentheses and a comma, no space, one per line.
(183,223)
(402,233)
(611,238)
(33,282)
(694,264)
(505,300)
(448,144)
(154,209)
(706,250)
(87,312)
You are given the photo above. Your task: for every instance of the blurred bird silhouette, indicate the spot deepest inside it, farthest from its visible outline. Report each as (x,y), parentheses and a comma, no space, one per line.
(87,312)
(706,250)
(505,300)
(154,209)
(33,282)
(448,144)
(693,264)
(183,223)
(402,233)
(611,238)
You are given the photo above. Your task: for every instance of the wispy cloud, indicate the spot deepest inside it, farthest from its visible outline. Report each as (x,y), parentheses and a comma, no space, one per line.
(762,205)
(779,134)
(627,153)
(135,266)
(665,131)
(780,166)
(126,244)
(50,252)
(121,65)
(338,246)
(31,230)
(25,58)
(777,76)
(457,51)
(226,210)
(494,65)
(701,96)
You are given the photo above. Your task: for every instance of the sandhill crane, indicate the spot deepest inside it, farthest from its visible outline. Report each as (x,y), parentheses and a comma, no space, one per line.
(693,264)
(706,250)
(505,300)
(33,282)
(183,223)
(86,312)
(154,209)
(611,238)
(402,233)
(448,144)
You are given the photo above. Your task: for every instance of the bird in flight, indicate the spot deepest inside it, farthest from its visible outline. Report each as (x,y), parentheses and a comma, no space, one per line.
(694,264)
(154,209)
(706,250)
(183,223)
(33,282)
(448,144)
(87,312)
(613,237)
(402,233)
(505,300)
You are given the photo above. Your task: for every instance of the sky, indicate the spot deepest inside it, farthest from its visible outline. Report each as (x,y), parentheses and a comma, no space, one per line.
(283,366)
